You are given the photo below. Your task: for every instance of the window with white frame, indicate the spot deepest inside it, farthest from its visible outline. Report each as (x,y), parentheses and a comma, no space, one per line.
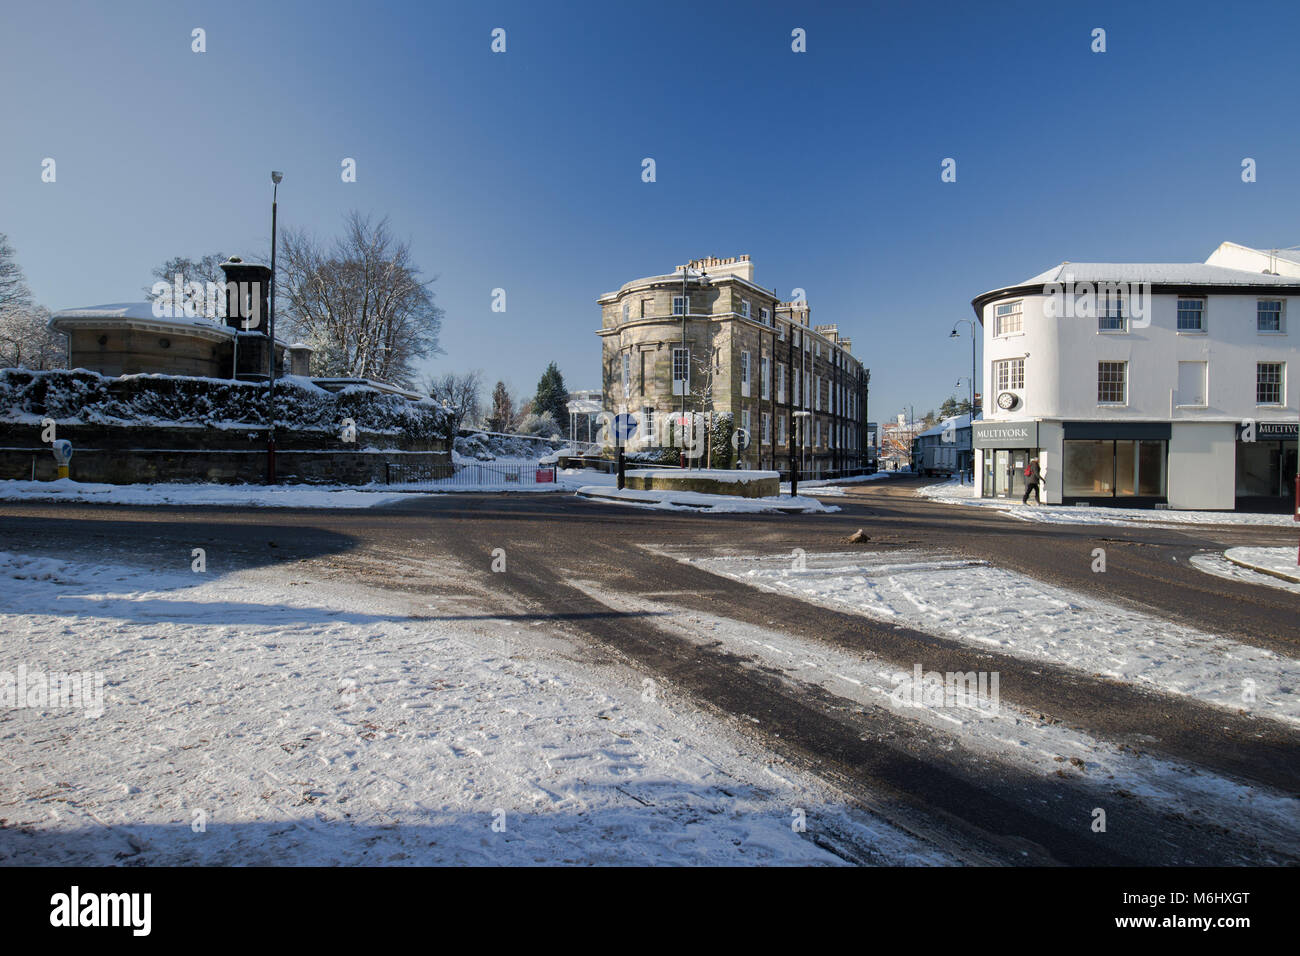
(1111,316)
(817,392)
(794,340)
(1191,315)
(744,374)
(1112,383)
(681,371)
(807,342)
(780,382)
(647,426)
(817,348)
(744,421)
(780,332)
(647,308)
(1269,383)
(627,372)
(765,375)
(1008,318)
(794,390)
(1008,374)
(1191,384)
(627,310)
(679,305)
(780,428)
(765,316)
(767,428)
(817,433)
(1268,315)
(744,307)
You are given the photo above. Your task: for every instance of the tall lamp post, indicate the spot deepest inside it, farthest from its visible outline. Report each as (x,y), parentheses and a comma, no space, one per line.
(795,419)
(276,176)
(954,334)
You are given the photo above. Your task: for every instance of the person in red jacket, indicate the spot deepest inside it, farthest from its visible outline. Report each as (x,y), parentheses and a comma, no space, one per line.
(1033,475)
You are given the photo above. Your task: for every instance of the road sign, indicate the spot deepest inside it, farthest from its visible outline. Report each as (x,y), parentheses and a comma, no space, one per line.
(624,427)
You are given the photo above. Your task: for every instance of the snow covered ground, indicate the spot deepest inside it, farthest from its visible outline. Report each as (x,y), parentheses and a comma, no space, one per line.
(272,717)
(1212,562)
(674,500)
(953,492)
(258,496)
(1275,562)
(1010,735)
(991,608)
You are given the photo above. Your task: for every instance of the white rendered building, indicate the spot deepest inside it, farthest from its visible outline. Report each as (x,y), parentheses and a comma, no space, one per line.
(1145,384)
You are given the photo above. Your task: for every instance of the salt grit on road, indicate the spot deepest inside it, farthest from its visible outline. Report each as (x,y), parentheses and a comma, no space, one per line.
(265,717)
(988,607)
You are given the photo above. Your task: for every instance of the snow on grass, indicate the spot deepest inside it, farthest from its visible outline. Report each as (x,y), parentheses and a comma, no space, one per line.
(256,496)
(1009,735)
(674,500)
(996,609)
(954,493)
(268,717)
(723,476)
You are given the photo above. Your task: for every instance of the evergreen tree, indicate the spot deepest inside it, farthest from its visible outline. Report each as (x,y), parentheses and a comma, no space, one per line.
(552,396)
(502,418)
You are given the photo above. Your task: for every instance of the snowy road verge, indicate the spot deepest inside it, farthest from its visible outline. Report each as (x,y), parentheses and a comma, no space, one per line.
(698,501)
(267,717)
(995,609)
(951,492)
(254,496)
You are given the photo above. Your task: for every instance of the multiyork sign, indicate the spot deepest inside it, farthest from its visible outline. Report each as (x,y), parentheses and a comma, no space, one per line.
(1006,434)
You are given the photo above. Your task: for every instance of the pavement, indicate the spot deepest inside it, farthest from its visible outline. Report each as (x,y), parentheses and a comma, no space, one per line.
(603,574)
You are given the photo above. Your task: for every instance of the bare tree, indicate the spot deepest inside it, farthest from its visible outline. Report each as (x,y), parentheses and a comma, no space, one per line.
(13,286)
(27,341)
(361,304)
(203,271)
(462,393)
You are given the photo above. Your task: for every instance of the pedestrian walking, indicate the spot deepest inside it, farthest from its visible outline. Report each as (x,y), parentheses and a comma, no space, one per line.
(1033,475)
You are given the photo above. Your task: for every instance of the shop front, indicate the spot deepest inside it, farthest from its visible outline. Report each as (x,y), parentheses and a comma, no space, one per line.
(1005,449)
(1266,466)
(1115,463)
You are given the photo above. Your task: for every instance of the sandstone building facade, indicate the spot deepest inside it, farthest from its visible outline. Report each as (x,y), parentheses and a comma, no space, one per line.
(707,340)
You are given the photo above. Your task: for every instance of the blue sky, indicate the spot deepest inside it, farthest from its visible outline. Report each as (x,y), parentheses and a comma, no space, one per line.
(522,170)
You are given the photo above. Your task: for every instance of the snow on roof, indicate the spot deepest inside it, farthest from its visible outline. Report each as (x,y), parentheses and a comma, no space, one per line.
(136,312)
(958,421)
(1168,273)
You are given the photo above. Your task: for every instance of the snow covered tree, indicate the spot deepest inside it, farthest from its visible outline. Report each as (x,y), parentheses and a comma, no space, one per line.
(360,303)
(542,425)
(552,396)
(461,393)
(502,417)
(27,341)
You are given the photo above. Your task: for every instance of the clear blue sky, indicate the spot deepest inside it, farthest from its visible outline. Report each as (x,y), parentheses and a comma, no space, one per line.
(522,170)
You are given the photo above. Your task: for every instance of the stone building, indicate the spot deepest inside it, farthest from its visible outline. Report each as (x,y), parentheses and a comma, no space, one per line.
(707,340)
(130,338)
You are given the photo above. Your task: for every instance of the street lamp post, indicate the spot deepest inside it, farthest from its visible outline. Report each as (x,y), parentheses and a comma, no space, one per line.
(276,177)
(954,334)
(794,461)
